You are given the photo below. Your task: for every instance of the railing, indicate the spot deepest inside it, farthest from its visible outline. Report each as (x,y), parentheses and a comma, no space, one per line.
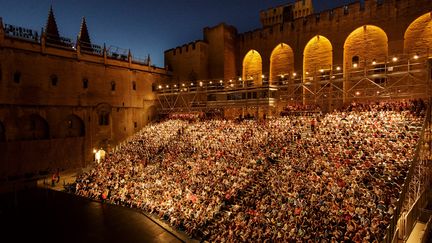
(21,33)
(60,41)
(115,52)
(143,61)
(90,48)
(404,77)
(393,226)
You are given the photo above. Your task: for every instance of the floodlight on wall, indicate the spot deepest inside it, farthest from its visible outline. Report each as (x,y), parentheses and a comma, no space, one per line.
(357,93)
(240,79)
(394,59)
(210,82)
(374,62)
(160,86)
(183,85)
(167,86)
(321,70)
(263,76)
(307,73)
(416,56)
(338,68)
(191,84)
(294,74)
(201,84)
(175,85)
(355,65)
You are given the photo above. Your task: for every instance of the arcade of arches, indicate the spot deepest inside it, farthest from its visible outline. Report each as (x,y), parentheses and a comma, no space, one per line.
(363,46)
(35,127)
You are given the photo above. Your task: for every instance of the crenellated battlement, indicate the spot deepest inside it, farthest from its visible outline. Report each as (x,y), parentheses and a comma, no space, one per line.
(358,11)
(190,47)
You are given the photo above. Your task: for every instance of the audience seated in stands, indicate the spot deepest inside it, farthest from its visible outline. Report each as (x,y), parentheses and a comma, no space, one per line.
(226,181)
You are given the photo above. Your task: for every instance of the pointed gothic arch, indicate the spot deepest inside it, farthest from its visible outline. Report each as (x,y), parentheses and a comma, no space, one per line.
(252,67)
(418,36)
(33,127)
(281,62)
(367,43)
(70,126)
(317,55)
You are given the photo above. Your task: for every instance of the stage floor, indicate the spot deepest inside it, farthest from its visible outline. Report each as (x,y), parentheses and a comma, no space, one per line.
(44,215)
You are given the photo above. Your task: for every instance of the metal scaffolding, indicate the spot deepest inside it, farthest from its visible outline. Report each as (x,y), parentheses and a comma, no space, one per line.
(399,78)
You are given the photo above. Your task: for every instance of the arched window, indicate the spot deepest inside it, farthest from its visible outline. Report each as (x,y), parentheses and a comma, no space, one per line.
(2,133)
(54,80)
(85,83)
(113,86)
(17,77)
(104,118)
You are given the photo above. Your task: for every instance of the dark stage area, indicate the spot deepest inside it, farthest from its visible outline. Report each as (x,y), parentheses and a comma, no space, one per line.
(41,215)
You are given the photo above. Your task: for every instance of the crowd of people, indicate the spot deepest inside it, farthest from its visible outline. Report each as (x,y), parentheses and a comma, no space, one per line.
(278,179)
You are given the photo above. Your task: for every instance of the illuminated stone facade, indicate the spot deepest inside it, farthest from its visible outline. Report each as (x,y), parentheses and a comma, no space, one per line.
(59,100)
(365,50)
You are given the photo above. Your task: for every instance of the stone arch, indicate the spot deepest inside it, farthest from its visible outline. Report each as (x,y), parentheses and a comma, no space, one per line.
(252,67)
(33,127)
(418,36)
(71,126)
(103,111)
(281,62)
(317,55)
(369,43)
(2,132)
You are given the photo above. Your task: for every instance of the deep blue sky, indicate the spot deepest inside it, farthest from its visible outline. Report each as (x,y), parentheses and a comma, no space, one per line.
(144,26)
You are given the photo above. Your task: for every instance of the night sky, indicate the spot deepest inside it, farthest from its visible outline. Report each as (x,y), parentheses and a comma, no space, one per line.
(144,26)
